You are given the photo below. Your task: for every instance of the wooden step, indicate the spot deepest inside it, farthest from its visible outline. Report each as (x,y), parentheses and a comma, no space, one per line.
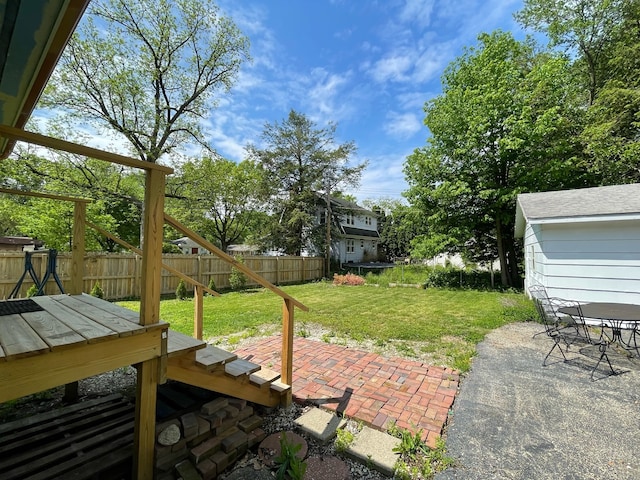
(180,344)
(240,367)
(279,387)
(264,377)
(212,357)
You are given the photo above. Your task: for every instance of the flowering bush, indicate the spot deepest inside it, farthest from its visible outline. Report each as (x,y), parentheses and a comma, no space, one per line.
(348,279)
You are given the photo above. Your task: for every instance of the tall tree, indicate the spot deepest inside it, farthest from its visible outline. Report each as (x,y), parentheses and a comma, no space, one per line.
(148,70)
(300,161)
(221,198)
(584,26)
(505,123)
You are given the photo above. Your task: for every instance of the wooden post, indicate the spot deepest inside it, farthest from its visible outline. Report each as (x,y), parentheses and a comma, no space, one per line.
(286,372)
(151,283)
(198,300)
(77,255)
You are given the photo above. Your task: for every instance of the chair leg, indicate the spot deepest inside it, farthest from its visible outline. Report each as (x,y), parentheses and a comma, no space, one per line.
(603,354)
(556,343)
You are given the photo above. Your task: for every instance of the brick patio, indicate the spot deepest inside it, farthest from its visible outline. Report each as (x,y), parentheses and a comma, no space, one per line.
(363,385)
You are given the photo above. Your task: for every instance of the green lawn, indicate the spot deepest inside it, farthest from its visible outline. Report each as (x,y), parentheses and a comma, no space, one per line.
(444,323)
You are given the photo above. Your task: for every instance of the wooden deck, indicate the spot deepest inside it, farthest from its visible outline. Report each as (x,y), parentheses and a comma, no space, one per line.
(72,337)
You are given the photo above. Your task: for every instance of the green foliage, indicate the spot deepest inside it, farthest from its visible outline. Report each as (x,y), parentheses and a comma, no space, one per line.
(31,292)
(504,124)
(348,279)
(179,57)
(237,279)
(181,290)
(212,284)
(344,439)
(96,291)
(299,160)
(290,466)
(416,458)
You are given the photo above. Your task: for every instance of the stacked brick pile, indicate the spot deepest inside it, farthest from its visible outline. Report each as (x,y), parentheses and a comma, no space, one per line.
(199,446)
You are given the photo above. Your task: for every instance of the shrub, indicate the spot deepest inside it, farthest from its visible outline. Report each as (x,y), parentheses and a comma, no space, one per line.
(212,284)
(237,279)
(96,291)
(348,279)
(32,291)
(181,291)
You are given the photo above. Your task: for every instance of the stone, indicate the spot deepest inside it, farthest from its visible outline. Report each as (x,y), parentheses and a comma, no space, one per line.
(327,468)
(269,448)
(169,436)
(320,424)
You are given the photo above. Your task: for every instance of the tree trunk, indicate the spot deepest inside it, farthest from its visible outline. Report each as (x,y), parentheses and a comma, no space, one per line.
(502,255)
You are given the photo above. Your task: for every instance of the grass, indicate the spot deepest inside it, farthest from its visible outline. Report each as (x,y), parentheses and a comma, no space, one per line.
(447,322)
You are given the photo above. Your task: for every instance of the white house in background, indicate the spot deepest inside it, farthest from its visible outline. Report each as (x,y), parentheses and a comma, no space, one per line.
(358,239)
(583,244)
(188,246)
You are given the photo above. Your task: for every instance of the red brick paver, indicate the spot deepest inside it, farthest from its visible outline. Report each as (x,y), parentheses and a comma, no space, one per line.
(363,385)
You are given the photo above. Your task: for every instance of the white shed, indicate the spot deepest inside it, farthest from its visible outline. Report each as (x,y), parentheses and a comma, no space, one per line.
(583,244)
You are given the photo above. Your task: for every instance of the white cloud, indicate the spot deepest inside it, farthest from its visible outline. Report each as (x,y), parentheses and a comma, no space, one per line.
(403,125)
(392,67)
(418,11)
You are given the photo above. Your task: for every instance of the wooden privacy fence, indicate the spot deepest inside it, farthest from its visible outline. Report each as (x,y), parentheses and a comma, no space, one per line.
(119,273)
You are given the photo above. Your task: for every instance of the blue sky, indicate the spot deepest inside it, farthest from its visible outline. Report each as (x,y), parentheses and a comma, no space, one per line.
(368,66)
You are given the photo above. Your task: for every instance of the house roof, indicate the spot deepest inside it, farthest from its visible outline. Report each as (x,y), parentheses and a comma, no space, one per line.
(579,205)
(21,241)
(33,35)
(347,205)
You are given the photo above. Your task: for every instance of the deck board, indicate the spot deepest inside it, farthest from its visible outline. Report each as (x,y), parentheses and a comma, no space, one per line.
(92,331)
(18,339)
(180,344)
(101,315)
(2,356)
(55,333)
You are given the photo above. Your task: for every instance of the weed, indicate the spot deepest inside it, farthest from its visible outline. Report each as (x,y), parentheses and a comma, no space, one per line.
(303,331)
(326,337)
(344,438)
(290,466)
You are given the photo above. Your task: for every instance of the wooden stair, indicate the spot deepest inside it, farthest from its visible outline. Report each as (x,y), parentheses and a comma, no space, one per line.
(194,362)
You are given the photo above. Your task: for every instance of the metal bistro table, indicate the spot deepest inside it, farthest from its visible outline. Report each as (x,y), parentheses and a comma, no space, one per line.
(617,317)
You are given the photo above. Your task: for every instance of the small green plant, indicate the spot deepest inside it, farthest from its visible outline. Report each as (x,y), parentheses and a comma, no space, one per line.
(96,291)
(212,284)
(303,331)
(32,291)
(326,337)
(181,291)
(290,466)
(237,279)
(411,445)
(344,438)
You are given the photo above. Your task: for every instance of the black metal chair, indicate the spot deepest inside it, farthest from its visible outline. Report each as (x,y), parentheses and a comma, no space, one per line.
(565,333)
(548,311)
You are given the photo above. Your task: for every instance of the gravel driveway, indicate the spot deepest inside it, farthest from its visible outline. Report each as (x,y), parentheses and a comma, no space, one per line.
(515,419)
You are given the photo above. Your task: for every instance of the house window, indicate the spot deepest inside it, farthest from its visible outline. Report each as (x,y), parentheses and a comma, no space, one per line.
(361,243)
(194,250)
(367,220)
(351,247)
(350,220)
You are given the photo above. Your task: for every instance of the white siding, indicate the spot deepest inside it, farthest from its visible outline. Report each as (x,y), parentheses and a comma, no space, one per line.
(597,261)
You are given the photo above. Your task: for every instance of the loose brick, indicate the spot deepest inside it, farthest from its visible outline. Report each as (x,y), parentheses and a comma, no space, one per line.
(167,462)
(208,469)
(238,403)
(203,425)
(187,471)
(234,441)
(205,449)
(214,405)
(232,412)
(189,423)
(228,432)
(250,423)
(255,437)
(226,425)
(221,459)
(245,412)
(181,446)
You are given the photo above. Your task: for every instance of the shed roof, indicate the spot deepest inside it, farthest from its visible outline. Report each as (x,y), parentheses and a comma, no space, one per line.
(583,204)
